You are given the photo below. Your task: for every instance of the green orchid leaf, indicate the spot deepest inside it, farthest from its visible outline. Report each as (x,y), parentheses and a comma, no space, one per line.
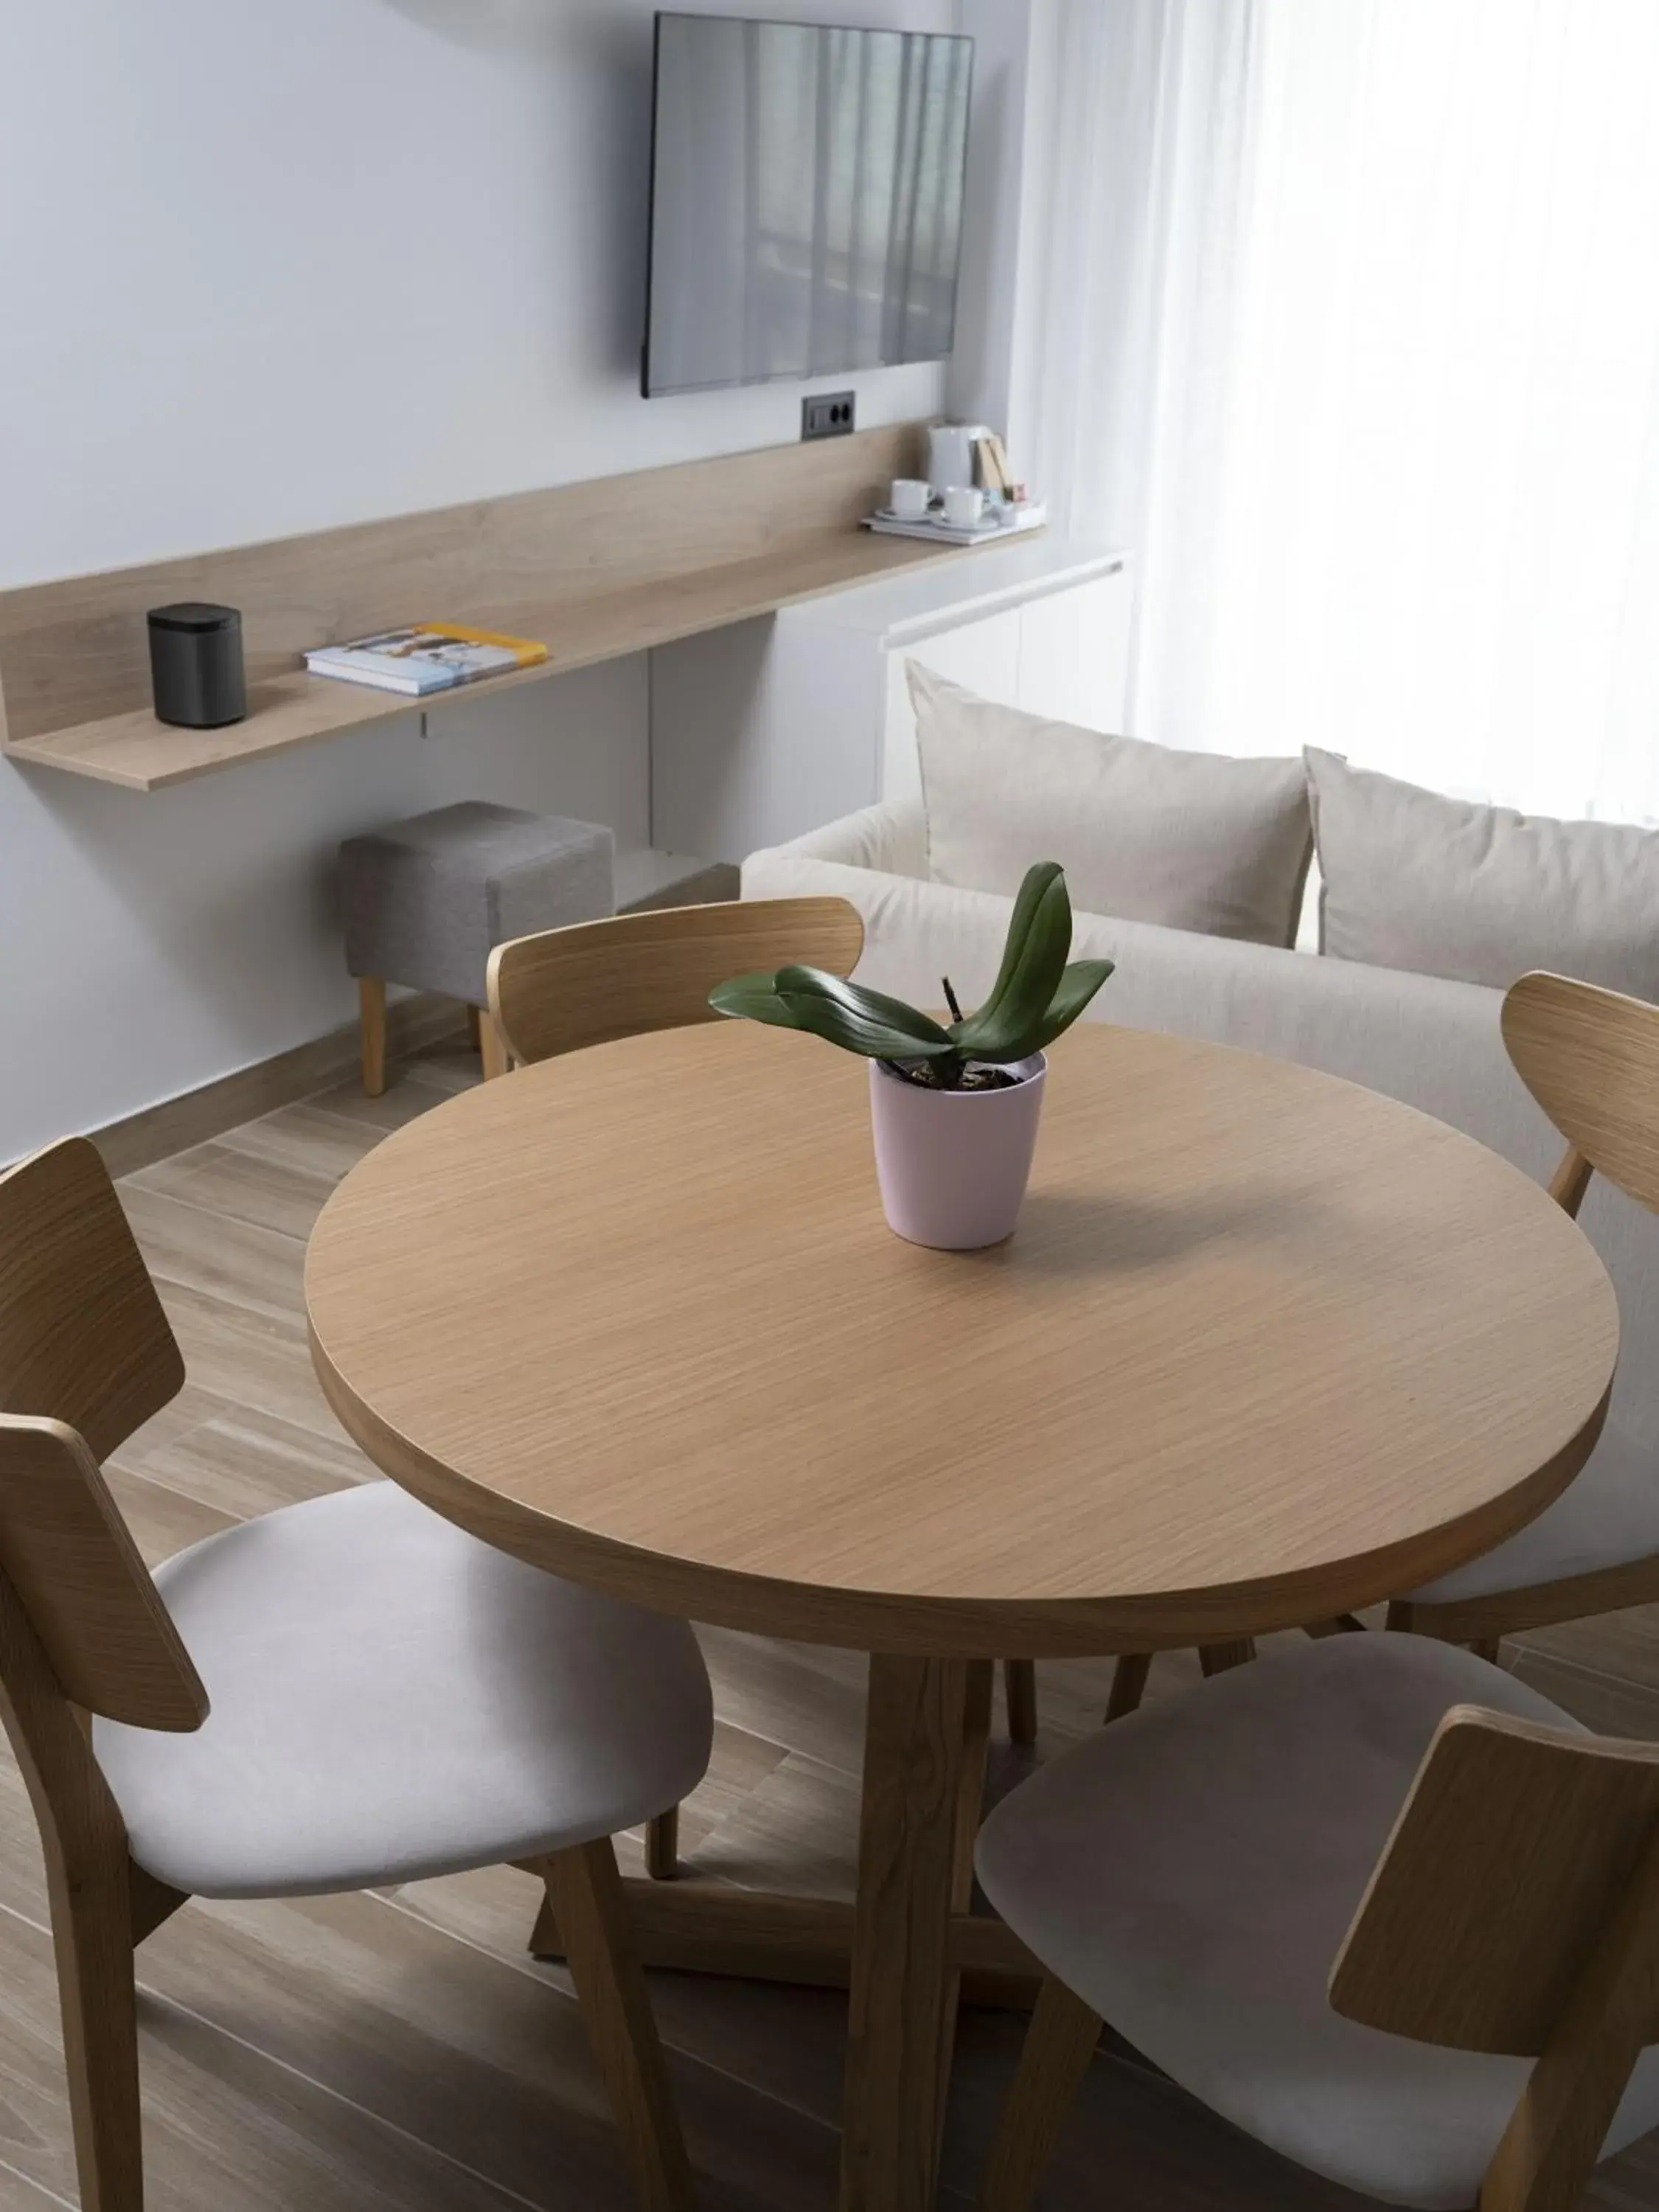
(1037,882)
(751,999)
(1036,996)
(1078,984)
(860,999)
(845,1014)
(1039,939)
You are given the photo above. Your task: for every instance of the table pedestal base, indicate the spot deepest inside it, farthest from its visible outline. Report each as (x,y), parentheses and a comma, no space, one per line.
(709,1928)
(907,1951)
(924,1783)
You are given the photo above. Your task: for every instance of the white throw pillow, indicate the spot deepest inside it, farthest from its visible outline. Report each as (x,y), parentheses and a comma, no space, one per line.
(1445,887)
(1194,841)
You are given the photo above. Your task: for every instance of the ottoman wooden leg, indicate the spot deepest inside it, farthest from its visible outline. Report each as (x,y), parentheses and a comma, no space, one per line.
(371,994)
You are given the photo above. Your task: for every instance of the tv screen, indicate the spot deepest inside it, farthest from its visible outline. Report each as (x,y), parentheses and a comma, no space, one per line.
(805,200)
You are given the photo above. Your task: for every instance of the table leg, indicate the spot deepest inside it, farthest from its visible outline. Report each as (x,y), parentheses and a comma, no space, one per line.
(923,1771)
(1129,1684)
(971,1808)
(1019,1691)
(694,1927)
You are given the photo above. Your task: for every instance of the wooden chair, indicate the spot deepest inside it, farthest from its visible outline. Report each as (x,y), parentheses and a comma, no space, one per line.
(599,981)
(1347,1897)
(1590,1058)
(355,1649)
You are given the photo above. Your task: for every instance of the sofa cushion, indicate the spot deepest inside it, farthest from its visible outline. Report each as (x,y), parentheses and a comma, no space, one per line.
(1194,841)
(1445,887)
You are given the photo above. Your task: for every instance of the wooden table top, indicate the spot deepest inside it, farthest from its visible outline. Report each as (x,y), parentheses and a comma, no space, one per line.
(1264,1348)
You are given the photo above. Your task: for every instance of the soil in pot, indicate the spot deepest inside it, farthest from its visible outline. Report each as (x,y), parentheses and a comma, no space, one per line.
(925,1075)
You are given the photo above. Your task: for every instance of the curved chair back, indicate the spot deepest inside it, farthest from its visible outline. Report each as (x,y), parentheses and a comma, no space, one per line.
(86,1355)
(1515,1910)
(565,988)
(1590,1058)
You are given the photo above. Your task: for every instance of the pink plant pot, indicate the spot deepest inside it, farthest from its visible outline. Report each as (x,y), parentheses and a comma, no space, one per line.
(953,1164)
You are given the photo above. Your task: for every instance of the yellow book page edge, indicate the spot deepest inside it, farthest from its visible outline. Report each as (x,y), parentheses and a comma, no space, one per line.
(524,650)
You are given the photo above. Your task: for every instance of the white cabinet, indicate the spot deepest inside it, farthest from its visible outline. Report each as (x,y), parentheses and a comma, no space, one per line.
(1074,653)
(762,731)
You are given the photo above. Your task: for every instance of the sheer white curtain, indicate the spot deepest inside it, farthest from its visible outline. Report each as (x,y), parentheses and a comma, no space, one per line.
(1142,119)
(1351,329)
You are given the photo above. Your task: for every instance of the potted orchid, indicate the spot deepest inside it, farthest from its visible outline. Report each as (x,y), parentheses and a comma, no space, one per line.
(955,1106)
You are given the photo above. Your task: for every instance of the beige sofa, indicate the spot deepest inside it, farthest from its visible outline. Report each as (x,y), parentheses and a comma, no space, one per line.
(1434,1044)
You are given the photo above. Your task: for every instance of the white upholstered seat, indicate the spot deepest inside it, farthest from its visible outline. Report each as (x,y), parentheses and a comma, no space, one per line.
(1607,1516)
(391,1698)
(1191,1872)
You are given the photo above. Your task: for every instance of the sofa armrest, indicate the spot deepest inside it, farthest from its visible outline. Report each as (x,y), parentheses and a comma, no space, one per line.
(891,838)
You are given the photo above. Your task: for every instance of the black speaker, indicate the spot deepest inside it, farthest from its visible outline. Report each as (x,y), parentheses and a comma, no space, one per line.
(196,665)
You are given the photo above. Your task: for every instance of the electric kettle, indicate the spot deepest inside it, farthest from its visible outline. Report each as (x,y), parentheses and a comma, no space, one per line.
(950,452)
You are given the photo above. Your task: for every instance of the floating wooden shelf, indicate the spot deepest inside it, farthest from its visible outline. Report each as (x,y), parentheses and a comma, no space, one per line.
(134,750)
(594,571)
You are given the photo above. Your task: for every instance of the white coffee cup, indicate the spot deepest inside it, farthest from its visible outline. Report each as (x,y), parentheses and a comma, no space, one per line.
(909,497)
(965,504)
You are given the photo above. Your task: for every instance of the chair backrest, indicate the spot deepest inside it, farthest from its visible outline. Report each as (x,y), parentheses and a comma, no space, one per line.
(1509,1859)
(1515,1909)
(1590,1058)
(86,1354)
(82,1336)
(566,988)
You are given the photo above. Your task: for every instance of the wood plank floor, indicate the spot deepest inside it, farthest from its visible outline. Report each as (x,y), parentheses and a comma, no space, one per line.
(400,2050)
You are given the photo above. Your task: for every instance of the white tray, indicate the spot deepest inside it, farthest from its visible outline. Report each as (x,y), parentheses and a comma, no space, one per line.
(887,525)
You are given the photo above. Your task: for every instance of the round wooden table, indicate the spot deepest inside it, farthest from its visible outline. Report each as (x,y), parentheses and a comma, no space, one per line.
(1265,1347)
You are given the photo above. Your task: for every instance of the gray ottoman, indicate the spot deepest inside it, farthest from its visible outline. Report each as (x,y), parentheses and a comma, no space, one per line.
(427,900)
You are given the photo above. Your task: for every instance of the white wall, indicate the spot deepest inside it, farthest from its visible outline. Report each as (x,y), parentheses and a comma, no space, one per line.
(980,376)
(267,268)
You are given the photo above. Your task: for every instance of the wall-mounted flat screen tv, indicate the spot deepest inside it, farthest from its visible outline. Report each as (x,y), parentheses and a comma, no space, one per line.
(805,200)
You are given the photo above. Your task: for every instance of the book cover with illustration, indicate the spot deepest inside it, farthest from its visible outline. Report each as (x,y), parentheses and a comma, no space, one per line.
(425,658)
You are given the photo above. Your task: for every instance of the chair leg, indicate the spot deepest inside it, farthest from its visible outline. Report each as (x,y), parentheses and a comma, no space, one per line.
(585,1893)
(1129,1684)
(662,1845)
(1490,1648)
(91,1935)
(1059,2044)
(1019,1697)
(371,998)
(492,1047)
(474,1028)
(1218,1658)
